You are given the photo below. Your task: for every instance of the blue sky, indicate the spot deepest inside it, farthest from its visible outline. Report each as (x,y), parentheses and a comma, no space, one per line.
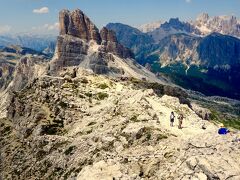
(41,16)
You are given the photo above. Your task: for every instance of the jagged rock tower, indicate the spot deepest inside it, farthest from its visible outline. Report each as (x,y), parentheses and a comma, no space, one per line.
(81,44)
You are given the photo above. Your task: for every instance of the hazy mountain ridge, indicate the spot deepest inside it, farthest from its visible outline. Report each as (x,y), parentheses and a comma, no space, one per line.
(148,27)
(39,43)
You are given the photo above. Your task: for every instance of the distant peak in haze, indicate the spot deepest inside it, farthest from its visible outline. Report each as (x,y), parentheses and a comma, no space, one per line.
(148,27)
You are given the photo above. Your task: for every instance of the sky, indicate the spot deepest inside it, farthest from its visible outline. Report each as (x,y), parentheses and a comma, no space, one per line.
(41,16)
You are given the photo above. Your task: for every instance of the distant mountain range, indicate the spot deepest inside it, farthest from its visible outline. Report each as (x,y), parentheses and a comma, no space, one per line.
(41,43)
(203,55)
(203,25)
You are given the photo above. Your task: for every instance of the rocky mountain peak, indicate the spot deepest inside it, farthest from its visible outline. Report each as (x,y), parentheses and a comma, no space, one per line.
(203,17)
(228,25)
(77,24)
(149,27)
(174,21)
(81,44)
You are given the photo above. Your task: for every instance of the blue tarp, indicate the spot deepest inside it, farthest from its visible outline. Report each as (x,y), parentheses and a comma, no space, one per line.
(223,131)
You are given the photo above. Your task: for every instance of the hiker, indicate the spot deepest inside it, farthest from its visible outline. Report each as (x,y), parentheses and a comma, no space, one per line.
(206,117)
(222,130)
(180,120)
(172,119)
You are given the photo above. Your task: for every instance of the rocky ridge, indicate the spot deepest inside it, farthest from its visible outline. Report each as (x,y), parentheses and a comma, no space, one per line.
(81,44)
(228,25)
(81,125)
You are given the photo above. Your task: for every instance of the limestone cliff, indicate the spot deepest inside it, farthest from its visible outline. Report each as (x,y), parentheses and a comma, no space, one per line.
(81,44)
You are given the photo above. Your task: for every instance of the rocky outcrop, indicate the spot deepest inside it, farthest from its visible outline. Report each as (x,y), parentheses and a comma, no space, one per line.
(77,24)
(110,44)
(81,44)
(6,74)
(132,38)
(69,52)
(26,70)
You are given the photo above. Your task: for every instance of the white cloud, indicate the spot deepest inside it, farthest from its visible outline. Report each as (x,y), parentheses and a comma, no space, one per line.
(42,10)
(46,28)
(188,1)
(5,29)
(51,27)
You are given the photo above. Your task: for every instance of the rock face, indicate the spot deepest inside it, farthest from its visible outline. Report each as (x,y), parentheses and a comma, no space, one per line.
(81,44)
(26,70)
(77,24)
(110,44)
(219,50)
(6,74)
(132,38)
(69,52)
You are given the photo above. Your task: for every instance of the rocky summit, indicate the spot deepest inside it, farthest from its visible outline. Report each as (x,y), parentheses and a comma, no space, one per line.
(94,113)
(81,43)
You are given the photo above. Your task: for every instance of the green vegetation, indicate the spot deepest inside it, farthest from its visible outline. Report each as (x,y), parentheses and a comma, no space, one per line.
(69,86)
(134,118)
(161,136)
(88,94)
(6,130)
(84,81)
(196,78)
(228,120)
(63,104)
(103,86)
(69,151)
(102,95)
(148,136)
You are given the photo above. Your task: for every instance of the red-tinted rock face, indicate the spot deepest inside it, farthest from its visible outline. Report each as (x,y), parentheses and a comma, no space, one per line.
(77,24)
